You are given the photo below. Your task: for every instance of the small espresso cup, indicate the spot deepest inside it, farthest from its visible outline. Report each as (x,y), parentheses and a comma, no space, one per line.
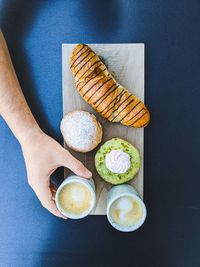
(118,192)
(88,183)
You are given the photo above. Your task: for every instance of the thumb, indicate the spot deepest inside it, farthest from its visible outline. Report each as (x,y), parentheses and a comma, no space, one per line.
(74,165)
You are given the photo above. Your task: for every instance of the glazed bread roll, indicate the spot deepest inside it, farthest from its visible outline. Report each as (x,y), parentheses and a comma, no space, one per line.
(99,88)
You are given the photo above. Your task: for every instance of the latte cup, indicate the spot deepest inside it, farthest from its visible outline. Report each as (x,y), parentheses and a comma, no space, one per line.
(78,194)
(124,205)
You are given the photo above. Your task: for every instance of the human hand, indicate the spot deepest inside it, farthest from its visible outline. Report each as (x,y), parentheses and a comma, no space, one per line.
(43,155)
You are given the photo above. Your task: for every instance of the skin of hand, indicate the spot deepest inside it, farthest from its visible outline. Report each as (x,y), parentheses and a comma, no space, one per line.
(42,154)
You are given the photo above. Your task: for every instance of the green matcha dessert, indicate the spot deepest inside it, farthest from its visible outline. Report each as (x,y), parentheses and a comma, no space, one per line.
(117,161)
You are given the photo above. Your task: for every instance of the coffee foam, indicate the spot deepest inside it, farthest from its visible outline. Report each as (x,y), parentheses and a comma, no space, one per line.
(78,195)
(126,211)
(75,198)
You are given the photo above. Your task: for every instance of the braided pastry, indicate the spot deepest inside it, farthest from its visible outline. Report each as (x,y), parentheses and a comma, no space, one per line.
(100,89)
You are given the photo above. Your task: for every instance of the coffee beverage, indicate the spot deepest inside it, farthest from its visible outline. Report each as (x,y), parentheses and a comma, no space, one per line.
(75,198)
(126,211)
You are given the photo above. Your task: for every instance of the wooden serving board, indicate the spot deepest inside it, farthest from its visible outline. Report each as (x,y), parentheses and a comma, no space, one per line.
(126,63)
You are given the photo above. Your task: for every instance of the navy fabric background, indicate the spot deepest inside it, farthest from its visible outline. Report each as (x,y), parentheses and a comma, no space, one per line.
(35,30)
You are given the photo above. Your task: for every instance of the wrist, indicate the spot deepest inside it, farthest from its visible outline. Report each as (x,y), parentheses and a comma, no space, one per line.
(29,135)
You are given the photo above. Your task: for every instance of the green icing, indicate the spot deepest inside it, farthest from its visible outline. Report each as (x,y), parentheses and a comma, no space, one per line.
(105,173)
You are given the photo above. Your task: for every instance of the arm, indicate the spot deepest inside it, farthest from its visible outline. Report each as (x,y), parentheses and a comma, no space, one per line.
(42,154)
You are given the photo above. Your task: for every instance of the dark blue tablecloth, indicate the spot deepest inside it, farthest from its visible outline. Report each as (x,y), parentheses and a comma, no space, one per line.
(35,30)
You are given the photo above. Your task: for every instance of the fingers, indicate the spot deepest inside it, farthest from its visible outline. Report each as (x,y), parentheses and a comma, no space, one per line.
(44,194)
(51,206)
(53,188)
(74,165)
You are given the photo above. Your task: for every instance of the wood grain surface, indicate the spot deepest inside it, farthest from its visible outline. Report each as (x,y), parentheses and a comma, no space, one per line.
(126,63)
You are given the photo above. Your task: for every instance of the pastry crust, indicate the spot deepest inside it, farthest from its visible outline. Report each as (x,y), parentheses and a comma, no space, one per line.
(99,88)
(81,130)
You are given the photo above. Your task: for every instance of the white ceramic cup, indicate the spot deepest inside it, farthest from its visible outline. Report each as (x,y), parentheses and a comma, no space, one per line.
(120,191)
(89,183)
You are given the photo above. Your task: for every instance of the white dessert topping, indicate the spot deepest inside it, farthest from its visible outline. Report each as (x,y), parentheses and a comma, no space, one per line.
(118,161)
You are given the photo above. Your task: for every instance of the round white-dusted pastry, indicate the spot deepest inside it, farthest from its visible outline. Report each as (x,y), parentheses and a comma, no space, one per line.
(81,130)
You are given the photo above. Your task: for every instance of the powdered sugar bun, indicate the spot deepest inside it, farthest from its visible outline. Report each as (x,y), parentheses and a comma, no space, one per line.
(81,130)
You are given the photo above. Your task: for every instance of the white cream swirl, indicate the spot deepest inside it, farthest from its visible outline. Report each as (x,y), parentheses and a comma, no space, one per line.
(118,161)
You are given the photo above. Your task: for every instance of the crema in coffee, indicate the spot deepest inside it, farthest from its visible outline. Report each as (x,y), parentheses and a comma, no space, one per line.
(126,211)
(75,198)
